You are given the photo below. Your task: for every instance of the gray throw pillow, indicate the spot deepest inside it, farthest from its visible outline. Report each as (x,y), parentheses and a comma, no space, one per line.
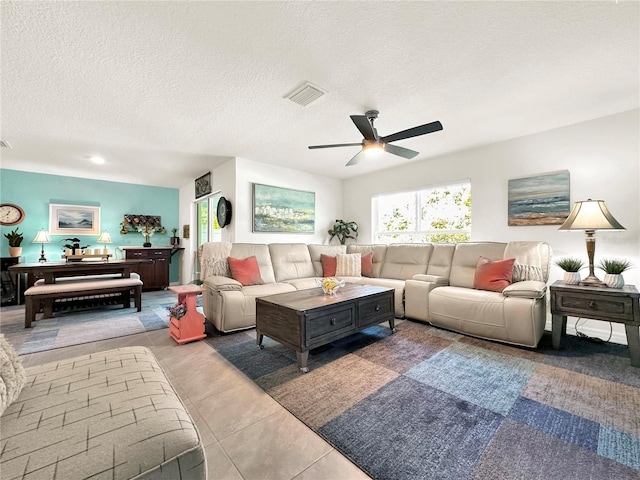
(523,273)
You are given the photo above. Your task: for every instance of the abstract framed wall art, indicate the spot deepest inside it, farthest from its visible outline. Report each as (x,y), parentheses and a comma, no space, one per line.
(203,185)
(73,219)
(540,199)
(277,209)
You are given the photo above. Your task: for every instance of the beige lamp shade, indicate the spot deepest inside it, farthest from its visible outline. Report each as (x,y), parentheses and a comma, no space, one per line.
(590,215)
(105,238)
(42,237)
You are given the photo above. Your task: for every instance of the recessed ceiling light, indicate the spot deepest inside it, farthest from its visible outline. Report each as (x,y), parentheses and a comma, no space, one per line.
(97,159)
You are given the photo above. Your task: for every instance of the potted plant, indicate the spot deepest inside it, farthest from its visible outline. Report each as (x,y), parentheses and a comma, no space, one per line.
(613,268)
(175,239)
(343,230)
(571,267)
(15,240)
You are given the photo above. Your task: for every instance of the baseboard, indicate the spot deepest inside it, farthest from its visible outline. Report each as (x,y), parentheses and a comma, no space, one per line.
(618,334)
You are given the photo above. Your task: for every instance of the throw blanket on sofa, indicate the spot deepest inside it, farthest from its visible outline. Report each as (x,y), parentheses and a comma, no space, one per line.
(214,259)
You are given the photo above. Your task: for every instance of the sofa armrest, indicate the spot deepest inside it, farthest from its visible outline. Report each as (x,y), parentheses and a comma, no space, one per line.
(220,283)
(526,289)
(438,280)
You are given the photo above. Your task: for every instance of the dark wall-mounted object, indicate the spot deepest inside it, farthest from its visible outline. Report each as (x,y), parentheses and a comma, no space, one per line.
(224,212)
(203,185)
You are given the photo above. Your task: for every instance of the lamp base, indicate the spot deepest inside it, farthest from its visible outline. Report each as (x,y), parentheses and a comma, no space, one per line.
(592,281)
(42,259)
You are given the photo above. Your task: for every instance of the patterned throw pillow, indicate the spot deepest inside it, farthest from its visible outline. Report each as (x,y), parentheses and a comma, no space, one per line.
(523,273)
(348,265)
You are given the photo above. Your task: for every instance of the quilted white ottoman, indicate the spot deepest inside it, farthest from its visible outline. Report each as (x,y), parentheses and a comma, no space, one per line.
(112,415)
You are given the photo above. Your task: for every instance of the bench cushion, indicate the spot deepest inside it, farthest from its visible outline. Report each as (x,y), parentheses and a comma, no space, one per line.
(110,414)
(76,285)
(88,277)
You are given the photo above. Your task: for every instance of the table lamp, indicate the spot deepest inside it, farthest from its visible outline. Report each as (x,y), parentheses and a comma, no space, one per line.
(105,238)
(42,237)
(591,215)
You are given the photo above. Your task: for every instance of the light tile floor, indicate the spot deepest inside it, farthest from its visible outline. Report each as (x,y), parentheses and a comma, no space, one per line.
(247,434)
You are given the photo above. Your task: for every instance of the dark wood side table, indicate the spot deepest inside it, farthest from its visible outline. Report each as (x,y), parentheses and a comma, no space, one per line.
(619,305)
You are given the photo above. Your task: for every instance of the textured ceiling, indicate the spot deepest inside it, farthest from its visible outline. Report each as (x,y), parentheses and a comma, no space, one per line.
(166,91)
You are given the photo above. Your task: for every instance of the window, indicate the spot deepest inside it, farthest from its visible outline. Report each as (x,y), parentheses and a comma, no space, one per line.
(207,226)
(440,214)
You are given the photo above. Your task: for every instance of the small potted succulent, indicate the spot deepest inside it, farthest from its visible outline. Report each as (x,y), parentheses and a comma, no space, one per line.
(613,268)
(571,267)
(15,240)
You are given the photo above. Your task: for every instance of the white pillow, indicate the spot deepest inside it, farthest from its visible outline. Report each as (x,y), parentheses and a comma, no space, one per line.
(522,273)
(348,265)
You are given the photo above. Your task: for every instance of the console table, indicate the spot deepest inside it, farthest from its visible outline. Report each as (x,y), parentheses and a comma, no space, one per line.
(620,305)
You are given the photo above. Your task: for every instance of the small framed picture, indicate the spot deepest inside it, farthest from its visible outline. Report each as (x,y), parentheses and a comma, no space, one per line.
(185,231)
(203,185)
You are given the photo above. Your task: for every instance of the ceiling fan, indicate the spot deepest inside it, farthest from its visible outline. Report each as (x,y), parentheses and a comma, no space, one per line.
(372,142)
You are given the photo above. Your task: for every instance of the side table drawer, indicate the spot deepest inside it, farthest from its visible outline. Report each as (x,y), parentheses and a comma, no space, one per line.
(174,327)
(330,323)
(602,307)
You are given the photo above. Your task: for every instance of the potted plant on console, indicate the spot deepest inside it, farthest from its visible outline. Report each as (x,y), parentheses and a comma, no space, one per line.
(613,268)
(571,267)
(15,240)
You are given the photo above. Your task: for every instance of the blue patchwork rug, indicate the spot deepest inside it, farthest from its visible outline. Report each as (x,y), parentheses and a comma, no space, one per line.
(427,403)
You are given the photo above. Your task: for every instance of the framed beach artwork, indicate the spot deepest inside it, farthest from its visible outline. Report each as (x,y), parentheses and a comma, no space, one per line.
(277,209)
(539,199)
(73,219)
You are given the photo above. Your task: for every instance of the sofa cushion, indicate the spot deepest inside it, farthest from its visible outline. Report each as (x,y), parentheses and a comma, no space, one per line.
(12,374)
(245,270)
(262,254)
(329,265)
(315,251)
(291,260)
(493,275)
(348,265)
(403,261)
(379,255)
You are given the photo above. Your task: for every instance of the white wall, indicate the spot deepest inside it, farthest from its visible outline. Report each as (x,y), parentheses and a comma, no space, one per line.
(602,156)
(234,180)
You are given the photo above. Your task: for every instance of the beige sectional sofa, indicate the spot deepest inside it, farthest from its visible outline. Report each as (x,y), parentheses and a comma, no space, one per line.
(432,282)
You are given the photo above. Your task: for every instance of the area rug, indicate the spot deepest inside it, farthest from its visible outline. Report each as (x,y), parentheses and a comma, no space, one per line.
(427,403)
(74,327)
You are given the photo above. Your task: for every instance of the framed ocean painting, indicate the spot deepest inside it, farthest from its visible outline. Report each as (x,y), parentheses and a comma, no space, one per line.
(540,199)
(73,219)
(277,209)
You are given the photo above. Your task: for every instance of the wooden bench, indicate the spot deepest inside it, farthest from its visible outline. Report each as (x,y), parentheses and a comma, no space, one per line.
(46,293)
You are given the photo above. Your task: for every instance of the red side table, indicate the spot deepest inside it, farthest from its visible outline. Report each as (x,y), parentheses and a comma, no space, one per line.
(191,326)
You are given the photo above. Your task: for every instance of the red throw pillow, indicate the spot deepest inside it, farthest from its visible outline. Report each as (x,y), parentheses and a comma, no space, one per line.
(245,270)
(367,264)
(329,264)
(493,275)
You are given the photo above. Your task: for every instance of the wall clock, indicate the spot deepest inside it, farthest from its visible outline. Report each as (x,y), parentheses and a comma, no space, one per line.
(224,212)
(10,214)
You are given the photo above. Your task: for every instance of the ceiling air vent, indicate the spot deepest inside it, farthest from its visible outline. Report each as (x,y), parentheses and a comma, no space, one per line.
(4,144)
(306,94)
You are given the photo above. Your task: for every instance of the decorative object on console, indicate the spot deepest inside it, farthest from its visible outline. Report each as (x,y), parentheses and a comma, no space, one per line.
(15,240)
(10,214)
(75,247)
(223,212)
(330,285)
(539,200)
(277,209)
(343,230)
(613,268)
(42,237)
(571,267)
(175,239)
(591,215)
(105,238)
(147,225)
(73,219)
(203,185)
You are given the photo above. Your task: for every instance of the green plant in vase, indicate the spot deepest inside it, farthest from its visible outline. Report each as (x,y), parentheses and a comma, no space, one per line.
(613,268)
(571,267)
(343,230)
(15,241)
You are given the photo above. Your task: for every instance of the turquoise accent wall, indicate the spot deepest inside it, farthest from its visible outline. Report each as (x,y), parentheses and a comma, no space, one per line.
(33,192)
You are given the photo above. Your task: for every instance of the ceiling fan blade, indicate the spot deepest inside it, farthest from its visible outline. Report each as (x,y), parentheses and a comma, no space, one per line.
(413,132)
(400,151)
(336,145)
(365,127)
(356,159)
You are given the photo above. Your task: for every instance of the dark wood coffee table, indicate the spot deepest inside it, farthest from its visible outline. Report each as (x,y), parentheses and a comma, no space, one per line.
(307,319)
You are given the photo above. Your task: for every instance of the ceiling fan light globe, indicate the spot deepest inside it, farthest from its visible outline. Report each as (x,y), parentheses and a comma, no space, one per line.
(373,150)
